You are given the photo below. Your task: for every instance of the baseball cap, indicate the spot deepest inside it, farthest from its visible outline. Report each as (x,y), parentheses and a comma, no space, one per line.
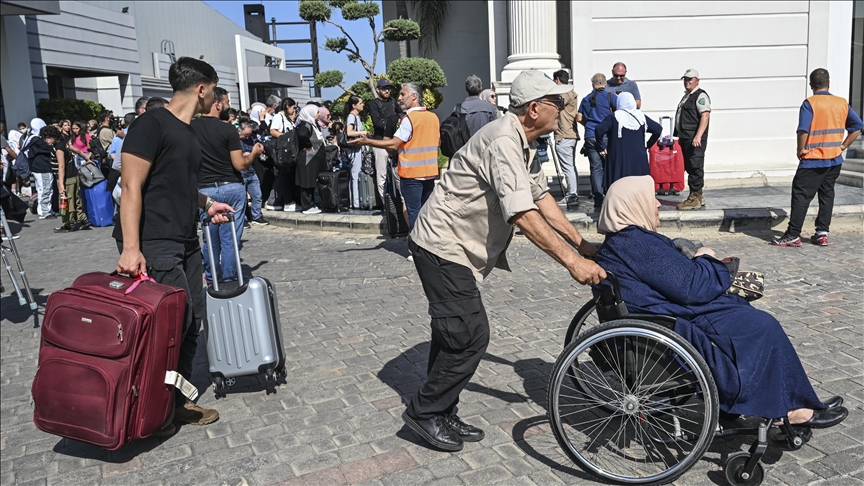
(531,85)
(690,73)
(383,83)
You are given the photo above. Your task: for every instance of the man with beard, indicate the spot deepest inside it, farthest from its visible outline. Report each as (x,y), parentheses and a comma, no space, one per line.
(222,160)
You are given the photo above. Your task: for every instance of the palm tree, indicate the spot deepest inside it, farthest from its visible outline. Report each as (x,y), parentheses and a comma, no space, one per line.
(431,15)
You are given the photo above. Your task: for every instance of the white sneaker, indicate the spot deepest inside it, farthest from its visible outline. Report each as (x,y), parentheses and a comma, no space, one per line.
(312,210)
(290,207)
(272,208)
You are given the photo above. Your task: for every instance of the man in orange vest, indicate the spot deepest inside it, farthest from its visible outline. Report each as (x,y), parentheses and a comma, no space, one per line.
(416,141)
(823,119)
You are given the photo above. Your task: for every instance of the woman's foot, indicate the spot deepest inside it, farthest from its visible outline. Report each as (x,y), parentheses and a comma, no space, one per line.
(818,419)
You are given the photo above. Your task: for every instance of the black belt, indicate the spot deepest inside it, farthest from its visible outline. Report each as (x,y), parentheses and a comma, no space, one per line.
(216,184)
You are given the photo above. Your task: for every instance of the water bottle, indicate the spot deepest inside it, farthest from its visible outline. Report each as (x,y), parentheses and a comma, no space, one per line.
(64,204)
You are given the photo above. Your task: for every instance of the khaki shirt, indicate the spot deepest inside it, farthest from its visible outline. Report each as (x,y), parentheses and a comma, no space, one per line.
(567,116)
(467,219)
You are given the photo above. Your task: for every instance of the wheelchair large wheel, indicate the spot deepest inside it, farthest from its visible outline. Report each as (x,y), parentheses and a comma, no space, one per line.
(651,410)
(585,318)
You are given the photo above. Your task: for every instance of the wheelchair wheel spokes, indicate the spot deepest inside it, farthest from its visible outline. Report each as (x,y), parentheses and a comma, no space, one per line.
(623,403)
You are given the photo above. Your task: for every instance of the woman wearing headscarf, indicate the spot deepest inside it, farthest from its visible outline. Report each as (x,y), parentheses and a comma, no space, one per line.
(625,132)
(312,157)
(754,365)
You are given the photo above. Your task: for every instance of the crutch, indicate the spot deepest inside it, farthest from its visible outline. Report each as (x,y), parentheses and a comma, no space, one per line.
(7,264)
(551,146)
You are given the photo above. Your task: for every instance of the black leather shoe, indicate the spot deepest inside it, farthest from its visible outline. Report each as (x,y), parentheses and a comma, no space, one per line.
(822,419)
(834,402)
(435,431)
(468,433)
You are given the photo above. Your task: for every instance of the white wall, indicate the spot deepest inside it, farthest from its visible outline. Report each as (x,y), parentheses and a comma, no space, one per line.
(19,104)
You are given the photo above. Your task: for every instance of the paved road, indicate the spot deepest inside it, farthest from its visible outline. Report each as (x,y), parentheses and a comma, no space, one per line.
(356,332)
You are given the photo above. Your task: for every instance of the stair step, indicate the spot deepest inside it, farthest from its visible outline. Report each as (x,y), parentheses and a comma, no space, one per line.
(849,178)
(854,165)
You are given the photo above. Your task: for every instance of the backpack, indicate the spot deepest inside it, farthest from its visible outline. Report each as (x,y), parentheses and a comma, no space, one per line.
(97,151)
(454,132)
(285,151)
(22,162)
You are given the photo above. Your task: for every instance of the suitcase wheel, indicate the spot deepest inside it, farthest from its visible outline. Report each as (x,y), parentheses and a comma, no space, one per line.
(270,375)
(230,382)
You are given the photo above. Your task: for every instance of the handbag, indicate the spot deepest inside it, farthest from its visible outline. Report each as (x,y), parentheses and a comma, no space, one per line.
(367,164)
(89,175)
(748,285)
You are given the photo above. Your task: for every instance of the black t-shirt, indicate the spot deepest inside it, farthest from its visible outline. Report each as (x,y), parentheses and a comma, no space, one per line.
(41,154)
(218,139)
(60,146)
(169,202)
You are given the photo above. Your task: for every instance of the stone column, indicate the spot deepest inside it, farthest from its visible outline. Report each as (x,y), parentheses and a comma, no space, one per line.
(531,28)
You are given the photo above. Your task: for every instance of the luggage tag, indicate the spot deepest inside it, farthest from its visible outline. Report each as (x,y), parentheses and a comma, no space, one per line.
(187,389)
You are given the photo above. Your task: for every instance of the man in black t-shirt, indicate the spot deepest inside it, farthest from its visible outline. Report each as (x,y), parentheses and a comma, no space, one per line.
(155,229)
(222,160)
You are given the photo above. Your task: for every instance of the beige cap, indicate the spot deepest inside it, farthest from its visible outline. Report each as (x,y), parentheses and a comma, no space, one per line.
(531,85)
(690,73)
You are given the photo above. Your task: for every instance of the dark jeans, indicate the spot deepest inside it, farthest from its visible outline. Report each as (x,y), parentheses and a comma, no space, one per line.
(694,163)
(460,333)
(592,150)
(415,192)
(805,185)
(179,265)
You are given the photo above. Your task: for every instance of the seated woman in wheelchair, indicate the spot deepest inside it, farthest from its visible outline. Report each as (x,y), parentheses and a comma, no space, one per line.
(756,369)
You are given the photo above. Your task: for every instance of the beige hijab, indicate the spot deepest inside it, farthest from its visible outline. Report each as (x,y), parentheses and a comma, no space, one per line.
(629,201)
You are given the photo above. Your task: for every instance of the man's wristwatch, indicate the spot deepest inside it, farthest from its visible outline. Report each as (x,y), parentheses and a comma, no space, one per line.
(208,204)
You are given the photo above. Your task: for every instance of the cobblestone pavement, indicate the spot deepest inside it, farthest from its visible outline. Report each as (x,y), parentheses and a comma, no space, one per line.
(356,337)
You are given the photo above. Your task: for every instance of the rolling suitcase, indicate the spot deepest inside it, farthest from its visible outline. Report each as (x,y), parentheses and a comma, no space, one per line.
(99,204)
(394,217)
(366,190)
(244,336)
(666,163)
(334,191)
(110,345)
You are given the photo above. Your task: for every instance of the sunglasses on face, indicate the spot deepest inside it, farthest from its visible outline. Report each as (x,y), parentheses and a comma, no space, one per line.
(557,101)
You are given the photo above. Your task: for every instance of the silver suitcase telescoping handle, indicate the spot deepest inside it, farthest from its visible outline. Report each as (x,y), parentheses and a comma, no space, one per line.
(209,241)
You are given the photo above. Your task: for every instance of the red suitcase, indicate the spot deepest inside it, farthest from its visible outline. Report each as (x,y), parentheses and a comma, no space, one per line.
(109,346)
(667,164)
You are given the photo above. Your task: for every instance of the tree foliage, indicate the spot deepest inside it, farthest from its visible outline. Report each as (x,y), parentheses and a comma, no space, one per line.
(314,11)
(431,15)
(403,30)
(320,11)
(357,11)
(66,109)
(329,79)
(425,72)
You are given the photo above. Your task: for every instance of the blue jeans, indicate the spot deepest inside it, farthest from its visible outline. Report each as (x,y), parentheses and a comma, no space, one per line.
(253,187)
(566,150)
(596,161)
(415,192)
(233,194)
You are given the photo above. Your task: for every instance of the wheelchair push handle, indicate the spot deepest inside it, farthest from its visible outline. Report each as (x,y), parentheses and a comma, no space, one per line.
(610,305)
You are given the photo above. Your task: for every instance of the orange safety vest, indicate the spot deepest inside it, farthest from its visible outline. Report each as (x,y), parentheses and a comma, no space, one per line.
(418,157)
(828,128)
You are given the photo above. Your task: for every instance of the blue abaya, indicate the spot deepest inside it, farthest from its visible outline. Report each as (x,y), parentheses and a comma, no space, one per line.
(756,369)
(628,155)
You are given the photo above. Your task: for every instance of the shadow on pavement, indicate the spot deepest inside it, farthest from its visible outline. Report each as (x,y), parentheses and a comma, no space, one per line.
(394,245)
(13,312)
(128,452)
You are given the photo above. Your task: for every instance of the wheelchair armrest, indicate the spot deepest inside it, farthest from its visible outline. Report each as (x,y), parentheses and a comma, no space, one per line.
(659,319)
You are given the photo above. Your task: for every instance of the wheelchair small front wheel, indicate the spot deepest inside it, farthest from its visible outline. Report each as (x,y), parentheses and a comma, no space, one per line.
(734,471)
(632,402)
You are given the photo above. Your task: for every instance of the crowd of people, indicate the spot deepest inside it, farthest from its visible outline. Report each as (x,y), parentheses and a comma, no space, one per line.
(195,160)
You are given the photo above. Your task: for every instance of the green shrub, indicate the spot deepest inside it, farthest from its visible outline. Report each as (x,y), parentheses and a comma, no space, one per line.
(357,11)
(425,72)
(314,10)
(406,30)
(63,108)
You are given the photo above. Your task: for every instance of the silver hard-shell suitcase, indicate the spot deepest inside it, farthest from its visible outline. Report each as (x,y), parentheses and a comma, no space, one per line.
(244,336)
(366,191)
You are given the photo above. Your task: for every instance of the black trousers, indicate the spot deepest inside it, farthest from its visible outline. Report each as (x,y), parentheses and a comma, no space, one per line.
(460,333)
(179,265)
(805,185)
(694,163)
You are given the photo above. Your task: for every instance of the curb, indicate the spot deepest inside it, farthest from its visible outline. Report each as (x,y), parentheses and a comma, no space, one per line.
(722,220)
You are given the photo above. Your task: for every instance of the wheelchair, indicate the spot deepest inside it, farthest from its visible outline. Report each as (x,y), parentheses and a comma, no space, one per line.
(632,402)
